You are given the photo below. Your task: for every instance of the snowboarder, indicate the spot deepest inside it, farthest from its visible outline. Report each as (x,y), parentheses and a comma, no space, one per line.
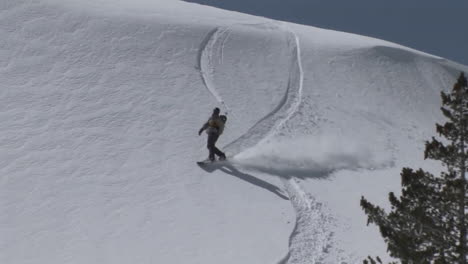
(214,128)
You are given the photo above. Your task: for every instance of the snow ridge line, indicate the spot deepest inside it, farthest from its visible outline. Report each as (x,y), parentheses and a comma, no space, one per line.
(205,58)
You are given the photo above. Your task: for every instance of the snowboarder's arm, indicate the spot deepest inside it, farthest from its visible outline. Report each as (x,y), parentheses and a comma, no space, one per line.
(205,126)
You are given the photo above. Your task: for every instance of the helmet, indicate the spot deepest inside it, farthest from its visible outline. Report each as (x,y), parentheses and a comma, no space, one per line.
(216,111)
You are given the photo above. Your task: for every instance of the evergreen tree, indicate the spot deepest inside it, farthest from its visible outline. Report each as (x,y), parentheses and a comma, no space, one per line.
(427,223)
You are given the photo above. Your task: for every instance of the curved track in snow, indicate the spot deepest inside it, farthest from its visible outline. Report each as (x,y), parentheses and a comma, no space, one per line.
(295,82)
(212,48)
(272,123)
(310,239)
(208,51)
(311,236)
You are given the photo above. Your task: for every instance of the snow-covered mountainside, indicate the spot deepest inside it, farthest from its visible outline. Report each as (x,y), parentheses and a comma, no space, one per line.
(101,102)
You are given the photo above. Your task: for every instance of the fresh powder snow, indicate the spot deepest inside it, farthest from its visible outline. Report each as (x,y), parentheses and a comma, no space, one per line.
(101,102)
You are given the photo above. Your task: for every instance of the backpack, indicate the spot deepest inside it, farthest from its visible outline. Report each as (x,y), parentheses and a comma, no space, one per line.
(223,118)
(216,125)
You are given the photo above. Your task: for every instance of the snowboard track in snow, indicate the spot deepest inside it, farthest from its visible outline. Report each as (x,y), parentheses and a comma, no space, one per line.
(311,236)
(275,120)
(205,59)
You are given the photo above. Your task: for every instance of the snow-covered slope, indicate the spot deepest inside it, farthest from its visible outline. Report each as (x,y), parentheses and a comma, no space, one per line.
(101,102)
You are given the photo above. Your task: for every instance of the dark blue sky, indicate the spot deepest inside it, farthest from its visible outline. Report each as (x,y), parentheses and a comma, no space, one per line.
(439,27)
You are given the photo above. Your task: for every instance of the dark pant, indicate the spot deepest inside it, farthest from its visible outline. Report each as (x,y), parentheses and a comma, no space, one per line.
(212,138)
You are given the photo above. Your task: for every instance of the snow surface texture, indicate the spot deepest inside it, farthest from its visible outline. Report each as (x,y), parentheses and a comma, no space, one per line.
(101,102)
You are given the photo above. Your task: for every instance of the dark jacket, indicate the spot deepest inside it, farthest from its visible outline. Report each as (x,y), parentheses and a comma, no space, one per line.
(214,125)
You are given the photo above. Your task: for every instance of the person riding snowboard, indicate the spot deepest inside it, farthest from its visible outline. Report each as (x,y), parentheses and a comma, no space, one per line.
(214,128)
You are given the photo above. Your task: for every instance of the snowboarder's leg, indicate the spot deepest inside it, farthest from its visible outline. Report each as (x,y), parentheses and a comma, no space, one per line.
(219,153)
(212,138)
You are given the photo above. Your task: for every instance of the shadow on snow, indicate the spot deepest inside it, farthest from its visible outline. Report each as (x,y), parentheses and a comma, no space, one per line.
(232,170)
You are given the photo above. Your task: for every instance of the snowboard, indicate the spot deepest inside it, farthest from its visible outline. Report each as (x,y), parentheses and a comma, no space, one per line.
(204,163)
(207,162)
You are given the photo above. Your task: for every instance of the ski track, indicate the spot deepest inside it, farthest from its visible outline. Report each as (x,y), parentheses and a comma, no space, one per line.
(296,79)
(226,34)
(311,236)
(274,121)
(206,61)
